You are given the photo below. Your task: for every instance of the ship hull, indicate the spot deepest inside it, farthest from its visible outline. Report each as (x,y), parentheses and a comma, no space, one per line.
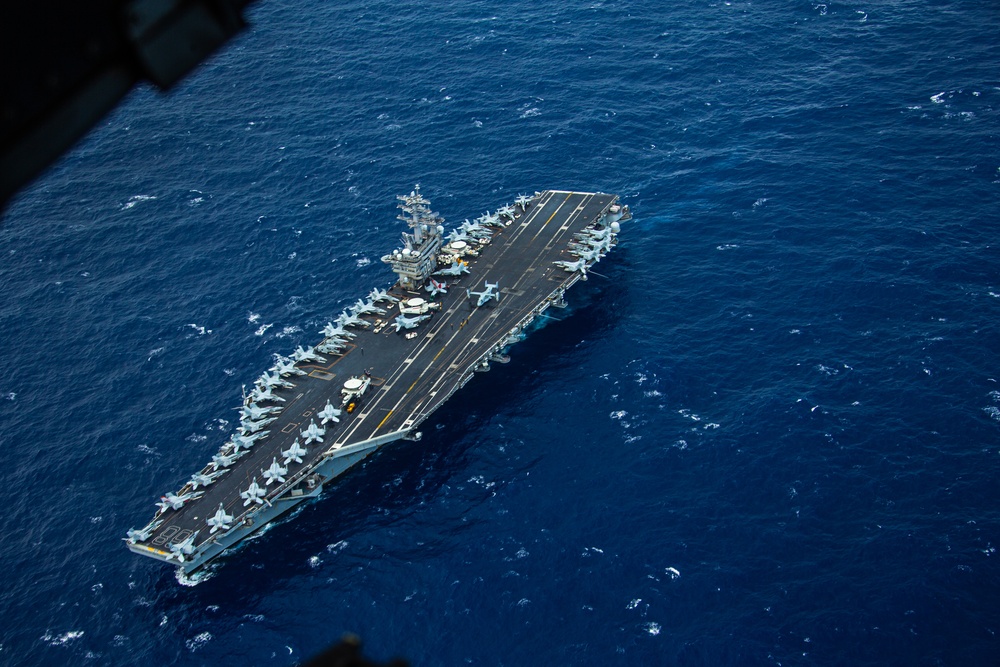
(389,379)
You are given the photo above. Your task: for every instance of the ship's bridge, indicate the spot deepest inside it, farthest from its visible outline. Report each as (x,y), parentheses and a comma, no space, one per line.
(417,259)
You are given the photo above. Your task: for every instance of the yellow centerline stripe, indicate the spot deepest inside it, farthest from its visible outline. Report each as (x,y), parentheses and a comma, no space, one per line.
(551,216)
(384,420)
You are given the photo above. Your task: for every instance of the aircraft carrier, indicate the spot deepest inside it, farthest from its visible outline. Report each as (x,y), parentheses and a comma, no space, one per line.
(385,364)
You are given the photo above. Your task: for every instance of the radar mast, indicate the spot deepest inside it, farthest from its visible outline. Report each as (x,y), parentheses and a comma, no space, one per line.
(417,258)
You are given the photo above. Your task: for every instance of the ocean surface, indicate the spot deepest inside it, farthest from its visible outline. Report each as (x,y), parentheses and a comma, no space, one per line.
(768,433)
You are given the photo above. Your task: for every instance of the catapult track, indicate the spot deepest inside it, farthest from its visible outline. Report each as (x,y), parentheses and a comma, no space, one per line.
(410,375)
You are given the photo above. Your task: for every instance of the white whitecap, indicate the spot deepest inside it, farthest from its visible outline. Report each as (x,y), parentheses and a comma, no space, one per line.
(198,641)
(62,639)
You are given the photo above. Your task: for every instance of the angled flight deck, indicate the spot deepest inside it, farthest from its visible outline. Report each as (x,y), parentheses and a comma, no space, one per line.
(388,363)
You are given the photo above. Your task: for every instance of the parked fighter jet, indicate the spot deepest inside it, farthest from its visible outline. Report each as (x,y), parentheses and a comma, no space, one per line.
(143,534)
(259,395)
(587,255)
(285,366)
(294,453)
(348,320)
(595,234)
(308,354)
(313,433)
(403,322)
(201,479)
(579,265)
(254,411)
(523,201)
(224,461)
(273,381)
(338,332)
(377,295)
(435,287)
(175,502)
(329,414)
(275,473)
(492,291)
(507,211)
(183,549)
(249,427)
(220,521)
(456,269)
(253,494)
(243,441)
(366,308)
(332,346)
(457,235)
(474,230)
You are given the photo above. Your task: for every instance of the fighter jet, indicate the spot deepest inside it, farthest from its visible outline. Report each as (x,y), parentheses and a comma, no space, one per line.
(507,211)
(456,269)
(491,220)
(377,295)
(175,502)
(329,414)
(143,534)
(253,411)
(332,346)
(492,291)
(294,453)
(253,494)
(457,235)
(223,461)
(337,332)
(579,265)
(259,395)
(285,366)
(249,427)
(273,381)
(435,287)
(220,521)
(201,479)
(474,230)
(182,549)
(590,255)
(366,308)
(523,201)
(313,433)
(595,234)
(243,441)
(275,473)
(307,354)
(345,320)
(600,244)
(403,322)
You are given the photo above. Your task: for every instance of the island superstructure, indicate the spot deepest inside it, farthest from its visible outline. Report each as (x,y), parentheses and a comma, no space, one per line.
(385,364)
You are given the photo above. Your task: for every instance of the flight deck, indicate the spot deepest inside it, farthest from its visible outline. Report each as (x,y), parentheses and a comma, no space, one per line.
(390,363)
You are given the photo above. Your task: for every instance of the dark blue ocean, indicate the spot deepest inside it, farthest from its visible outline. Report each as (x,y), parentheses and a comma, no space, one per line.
(768,433)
